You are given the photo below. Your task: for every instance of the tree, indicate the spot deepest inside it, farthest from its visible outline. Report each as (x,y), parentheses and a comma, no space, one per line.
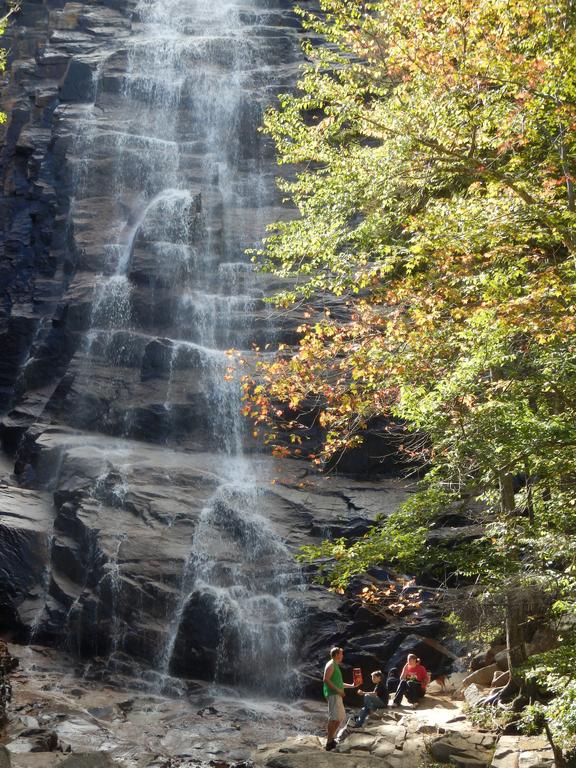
(435,252)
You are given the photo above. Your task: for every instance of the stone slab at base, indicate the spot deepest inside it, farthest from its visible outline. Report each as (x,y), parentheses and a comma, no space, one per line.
(522,752)
(326,760)
(37,760)
(89,760)
(58,760)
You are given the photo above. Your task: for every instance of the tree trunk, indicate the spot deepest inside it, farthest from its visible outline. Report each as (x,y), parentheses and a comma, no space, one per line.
(516,613)
(559,759)
(530,501)
(515,640)
(507,501)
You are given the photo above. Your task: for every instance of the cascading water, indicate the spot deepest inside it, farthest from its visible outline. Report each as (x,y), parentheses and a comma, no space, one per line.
(188,195)
(243,571)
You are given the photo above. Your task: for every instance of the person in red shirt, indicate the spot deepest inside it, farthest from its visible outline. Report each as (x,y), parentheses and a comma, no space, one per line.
(413,681)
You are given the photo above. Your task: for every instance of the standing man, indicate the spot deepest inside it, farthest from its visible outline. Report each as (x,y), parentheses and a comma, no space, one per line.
(334,693)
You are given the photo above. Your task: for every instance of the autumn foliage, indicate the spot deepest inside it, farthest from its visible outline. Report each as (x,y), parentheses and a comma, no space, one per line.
(432,261)
(439,207)
(434,250)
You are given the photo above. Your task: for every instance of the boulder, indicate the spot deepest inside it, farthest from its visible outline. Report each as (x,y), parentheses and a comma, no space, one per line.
(501,660)
(34,740)
(473,695)
(482,677)
(453,684)
(319,759)
(544,639)
(37,760)
(384,749)
(395,734)
(463,749)
(89,760)
(500,679)
(4,758)
(522,752)
(361,741)
(481,659)
(291,745)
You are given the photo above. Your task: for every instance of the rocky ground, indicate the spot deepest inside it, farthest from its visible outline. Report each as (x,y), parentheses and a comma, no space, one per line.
(61,719)
(435,733)
(56,713)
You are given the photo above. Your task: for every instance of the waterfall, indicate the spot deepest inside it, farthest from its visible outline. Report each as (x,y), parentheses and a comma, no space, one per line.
(177,152)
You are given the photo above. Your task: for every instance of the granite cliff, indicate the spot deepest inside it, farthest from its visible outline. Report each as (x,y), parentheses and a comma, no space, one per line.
(141,525)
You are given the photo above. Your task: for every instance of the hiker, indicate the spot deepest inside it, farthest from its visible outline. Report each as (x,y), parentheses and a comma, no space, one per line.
(413,681)
(376,699)
(334,693)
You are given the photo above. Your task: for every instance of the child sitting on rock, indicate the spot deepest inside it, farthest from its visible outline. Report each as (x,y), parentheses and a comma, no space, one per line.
(376,699)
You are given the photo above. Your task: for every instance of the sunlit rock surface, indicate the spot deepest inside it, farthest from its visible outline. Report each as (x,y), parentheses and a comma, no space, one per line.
(138,729)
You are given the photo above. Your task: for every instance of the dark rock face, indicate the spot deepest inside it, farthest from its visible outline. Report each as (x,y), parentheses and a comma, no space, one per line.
(139,524)
(97,565)
(67,99)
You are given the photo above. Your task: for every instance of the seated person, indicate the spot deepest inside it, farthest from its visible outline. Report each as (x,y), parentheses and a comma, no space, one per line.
(413,681)
(376,699)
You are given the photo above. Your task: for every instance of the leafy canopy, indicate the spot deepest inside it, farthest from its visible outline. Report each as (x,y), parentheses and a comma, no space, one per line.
(434,147)
(431,147)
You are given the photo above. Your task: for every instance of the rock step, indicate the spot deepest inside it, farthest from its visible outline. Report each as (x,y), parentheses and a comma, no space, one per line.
(405,744)
(522,752)
(463,748)
(53,759)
